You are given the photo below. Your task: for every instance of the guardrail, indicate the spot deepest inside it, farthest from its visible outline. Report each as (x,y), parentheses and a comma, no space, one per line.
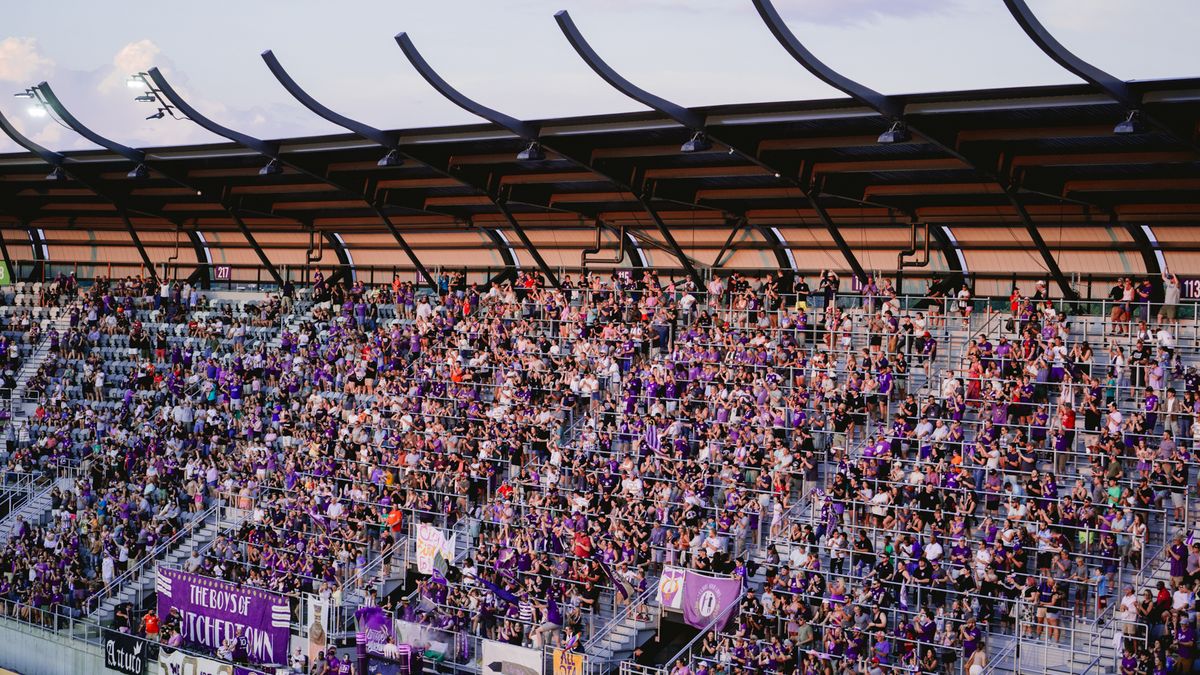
(147,561)
(631,606)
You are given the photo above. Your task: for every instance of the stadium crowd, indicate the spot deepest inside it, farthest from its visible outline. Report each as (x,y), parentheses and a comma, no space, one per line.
(893,483)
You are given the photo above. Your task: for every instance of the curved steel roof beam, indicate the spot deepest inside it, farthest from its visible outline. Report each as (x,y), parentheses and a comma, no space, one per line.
(1115,87)
(858,91)
(134,155)
(525,130)
(386,139)
(1085,71)
(531,133)
(893,109)
(269,149)
(58,161)
(695,122)
(50,157)
(687,118)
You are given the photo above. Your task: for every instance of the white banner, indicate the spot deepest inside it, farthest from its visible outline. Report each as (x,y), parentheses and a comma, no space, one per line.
(432,545)
(317,626)
(501,658)
(670,588)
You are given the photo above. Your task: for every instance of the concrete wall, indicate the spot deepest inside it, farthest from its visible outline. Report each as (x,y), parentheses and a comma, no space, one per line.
(31,651)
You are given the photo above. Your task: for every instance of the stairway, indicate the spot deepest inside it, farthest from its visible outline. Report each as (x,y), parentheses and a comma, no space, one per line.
(142,581)
(20,411)
(622,638)
(36,511)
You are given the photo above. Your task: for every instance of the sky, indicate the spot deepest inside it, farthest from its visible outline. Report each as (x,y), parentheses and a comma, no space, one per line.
(510,55)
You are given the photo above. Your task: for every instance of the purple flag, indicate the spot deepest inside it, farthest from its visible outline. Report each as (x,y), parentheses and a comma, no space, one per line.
(374,627)
(498,591)
(620,585)
(706,599)
(650,438)
(213,611)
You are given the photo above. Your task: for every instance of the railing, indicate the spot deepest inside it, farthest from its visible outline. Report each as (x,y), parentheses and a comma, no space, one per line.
(19,488)
(146,562)
(631,607)
(686,653)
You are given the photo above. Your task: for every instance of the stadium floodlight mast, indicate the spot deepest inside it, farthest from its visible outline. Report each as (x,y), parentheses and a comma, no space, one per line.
(141,80)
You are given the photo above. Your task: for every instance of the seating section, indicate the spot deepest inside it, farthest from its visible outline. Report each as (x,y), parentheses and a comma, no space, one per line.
(901,484)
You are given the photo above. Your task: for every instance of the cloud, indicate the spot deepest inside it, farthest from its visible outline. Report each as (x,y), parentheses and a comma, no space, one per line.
(133,58)
(20,60)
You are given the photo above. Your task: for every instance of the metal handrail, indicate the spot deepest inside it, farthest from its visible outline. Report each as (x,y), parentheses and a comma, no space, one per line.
(135,572)
(720,618)
(631,606)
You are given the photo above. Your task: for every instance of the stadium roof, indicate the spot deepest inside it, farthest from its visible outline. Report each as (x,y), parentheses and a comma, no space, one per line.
(1025,156)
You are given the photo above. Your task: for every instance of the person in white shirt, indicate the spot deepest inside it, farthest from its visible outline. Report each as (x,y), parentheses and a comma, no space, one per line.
(1114,419)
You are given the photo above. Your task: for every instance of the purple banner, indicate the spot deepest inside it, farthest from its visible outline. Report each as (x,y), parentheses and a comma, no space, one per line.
(705,598)
(214,611)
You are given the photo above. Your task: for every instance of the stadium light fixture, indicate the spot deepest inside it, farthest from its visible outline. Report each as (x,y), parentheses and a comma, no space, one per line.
(896,134)
(152,95)
(139,172)
(1132,124)
(57,174)
(392,158)
(697,143)
(273,168)
(28,93)
(532,153)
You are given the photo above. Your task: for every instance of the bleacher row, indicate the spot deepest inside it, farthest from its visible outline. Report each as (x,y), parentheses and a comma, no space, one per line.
(587,438)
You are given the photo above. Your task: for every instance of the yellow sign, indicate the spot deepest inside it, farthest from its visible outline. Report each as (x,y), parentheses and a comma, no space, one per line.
(567,663)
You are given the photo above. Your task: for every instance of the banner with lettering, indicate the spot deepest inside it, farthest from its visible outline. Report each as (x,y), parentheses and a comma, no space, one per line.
(670,588)
(214,611)
(374,629)
(706,599)
(124,653)
(567,662)
(435,551)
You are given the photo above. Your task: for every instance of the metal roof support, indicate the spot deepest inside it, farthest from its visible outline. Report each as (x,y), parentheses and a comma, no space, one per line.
(387,140)
(531,132)
(40,254)
(787,272)
(58,161)
(734,229)
(346,268)
(269,149)
(696,122)
(1110,84)
(7,260)
(893,110)
(258,251)
(201,275)
(139,157)
(507,254)
(1146,248)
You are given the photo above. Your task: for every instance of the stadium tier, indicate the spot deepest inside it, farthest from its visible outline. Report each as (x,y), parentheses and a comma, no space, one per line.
(883,385)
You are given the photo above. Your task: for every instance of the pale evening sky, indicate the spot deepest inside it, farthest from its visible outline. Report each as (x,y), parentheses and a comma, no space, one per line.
(509,54)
